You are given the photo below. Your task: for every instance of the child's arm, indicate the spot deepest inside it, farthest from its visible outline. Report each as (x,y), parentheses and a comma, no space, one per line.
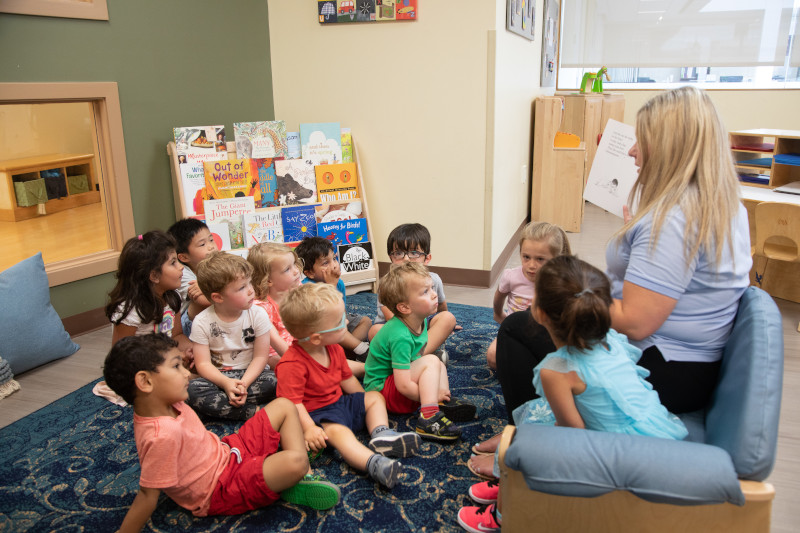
(386,313)
(279,345)
(199,301)
(441,307)
(259,361)
(313,434)
(497,304)
(184,344)
(558,389)
(351,385)
(206,369)
(141,509)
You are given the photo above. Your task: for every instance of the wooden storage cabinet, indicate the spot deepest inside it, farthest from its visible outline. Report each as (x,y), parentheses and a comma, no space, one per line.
(748,146)
(31,167)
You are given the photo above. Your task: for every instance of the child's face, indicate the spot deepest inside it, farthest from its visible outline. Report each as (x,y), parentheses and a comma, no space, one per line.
(332,327)
(420,296)
(399,256)
(169,278)
(325,268)
(284,273)
(201,247)
(237,295)
(533,254)
(170,380)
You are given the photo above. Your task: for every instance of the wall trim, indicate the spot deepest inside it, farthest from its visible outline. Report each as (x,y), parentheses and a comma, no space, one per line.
(85,322)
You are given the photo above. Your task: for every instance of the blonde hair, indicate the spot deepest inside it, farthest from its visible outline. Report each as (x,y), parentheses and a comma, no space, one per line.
(686,162)
(555,237)
(392,288)
(302,310)
(261,257)
(218,269)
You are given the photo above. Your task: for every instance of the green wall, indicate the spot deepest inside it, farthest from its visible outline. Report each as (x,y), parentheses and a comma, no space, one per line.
(176,63)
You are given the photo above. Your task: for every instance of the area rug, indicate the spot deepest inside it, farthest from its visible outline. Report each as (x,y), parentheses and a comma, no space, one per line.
(72,466)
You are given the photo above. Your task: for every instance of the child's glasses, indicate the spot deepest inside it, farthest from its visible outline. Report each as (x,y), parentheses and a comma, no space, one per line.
(341,325)
(412,254)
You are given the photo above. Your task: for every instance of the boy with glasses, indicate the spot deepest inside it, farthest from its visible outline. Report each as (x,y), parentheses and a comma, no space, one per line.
(313,374)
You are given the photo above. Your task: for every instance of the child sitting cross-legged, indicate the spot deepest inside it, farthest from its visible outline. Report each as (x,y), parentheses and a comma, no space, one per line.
(400,364)
(231,340)
(265,460)
(313,373)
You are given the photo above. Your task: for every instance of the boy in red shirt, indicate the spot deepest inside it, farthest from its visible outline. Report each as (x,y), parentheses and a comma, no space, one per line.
(313,374)
(178,455)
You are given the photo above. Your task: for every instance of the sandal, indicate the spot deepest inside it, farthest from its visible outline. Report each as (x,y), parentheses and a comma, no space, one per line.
(483,471)
(492,443)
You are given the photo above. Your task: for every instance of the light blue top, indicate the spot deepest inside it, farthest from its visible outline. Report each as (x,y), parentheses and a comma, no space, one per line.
(617,398)
(707,295)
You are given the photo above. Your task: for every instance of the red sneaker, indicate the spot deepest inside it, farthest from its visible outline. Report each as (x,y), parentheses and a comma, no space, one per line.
(478,519)
(485,492)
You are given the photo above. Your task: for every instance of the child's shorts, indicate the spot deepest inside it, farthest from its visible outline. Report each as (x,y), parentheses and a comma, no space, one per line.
(352,321)
(241,487)
(395,401)
(186,323)
(348,410)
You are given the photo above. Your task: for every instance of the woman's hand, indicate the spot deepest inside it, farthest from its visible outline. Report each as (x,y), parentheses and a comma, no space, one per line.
(626,214)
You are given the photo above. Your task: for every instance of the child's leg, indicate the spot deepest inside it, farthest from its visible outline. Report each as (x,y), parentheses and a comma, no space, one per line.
(374,330)
(287,467)
(383,440)
(209,400)
(426,373)
(357,368)
(440,328)
(362,328)
(342,438)
(375,406)
(263,389)
(491,355)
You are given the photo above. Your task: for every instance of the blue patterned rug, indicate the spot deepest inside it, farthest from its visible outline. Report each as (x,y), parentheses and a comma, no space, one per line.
(72,466)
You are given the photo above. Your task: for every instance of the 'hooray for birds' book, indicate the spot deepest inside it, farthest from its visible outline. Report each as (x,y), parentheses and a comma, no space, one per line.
(344,231)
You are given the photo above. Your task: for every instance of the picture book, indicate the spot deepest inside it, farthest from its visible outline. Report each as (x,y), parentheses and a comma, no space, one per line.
(337,183)
(355,257)
(321,143)
(221,235)
(193,182)
(344,231)
(347,146)
(293,145)
(260,139)
(613,171)
(342,211)
(264,225)
(196,144)
(267,182)
(297,182)
(229,211)
(298,222)
(232,178)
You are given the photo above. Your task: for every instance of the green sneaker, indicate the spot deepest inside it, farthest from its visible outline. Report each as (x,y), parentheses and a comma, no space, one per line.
(314,492)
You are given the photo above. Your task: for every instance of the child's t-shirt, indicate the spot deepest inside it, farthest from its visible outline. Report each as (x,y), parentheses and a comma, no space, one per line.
(230,343)
(180,456)
(438,286)
(187,277)
(143,328)
(302,379)
(519,289)
(271,307)
(394,346)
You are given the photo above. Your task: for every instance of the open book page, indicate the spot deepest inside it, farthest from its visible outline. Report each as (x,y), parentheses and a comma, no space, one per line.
(613,171)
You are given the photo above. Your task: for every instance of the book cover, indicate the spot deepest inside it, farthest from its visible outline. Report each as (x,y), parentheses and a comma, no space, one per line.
(232,178)
(347,146)
(356,257)
(221,235)
(321,142)
(297,182)
(298,222)
(229,211)
(293,145)
(613,171)
(336,212)
(337,183)
(196,144)
(255,140)
(193,181)
(344,231)
(267,181)
(264,225)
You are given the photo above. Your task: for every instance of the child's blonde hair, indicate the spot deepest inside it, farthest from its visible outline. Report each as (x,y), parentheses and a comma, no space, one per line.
(302,310)
(392,289)
(555,237)
(218,269)
(261,257)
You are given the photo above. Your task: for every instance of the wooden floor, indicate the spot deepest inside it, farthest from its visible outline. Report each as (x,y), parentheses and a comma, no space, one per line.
(50,382)
(59,236)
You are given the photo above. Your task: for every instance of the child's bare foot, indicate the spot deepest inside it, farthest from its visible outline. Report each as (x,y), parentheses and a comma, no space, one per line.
(482,466)
(487,447)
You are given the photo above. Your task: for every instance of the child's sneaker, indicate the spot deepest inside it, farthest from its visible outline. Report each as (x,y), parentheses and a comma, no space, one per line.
(393,444)
(478,519)
(441,353)
(437,427)
(384,470)
(458,410)
(485,492)
(314,492)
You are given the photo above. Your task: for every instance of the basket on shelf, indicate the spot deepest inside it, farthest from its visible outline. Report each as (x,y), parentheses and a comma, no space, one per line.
(30,192)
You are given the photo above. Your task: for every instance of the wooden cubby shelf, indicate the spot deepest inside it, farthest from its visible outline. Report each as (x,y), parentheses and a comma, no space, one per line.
(748,146)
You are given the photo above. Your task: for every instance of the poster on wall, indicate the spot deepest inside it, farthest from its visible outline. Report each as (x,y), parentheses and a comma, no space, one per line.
(520,17)
(550,28)
(337,11)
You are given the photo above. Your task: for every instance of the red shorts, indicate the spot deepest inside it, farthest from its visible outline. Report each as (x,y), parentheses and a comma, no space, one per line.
(241,487)
(395,401)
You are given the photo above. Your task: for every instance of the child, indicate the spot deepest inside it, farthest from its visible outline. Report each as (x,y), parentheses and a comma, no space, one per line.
(401,366)
(412,242)
(591,381)
(320,265)
(193,242)
(192,465)
(538,243)
(313,374)
(231,342)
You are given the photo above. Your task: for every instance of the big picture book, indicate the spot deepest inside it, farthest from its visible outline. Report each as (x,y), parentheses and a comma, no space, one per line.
(297,182)
(266,139)
(344,231)
(264,225)
(232,178)
(229,211)
(298,222)
(321,142)
(337,183)
(196,144)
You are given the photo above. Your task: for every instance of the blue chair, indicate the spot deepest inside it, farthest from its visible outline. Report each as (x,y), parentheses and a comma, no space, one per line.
(566,479)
